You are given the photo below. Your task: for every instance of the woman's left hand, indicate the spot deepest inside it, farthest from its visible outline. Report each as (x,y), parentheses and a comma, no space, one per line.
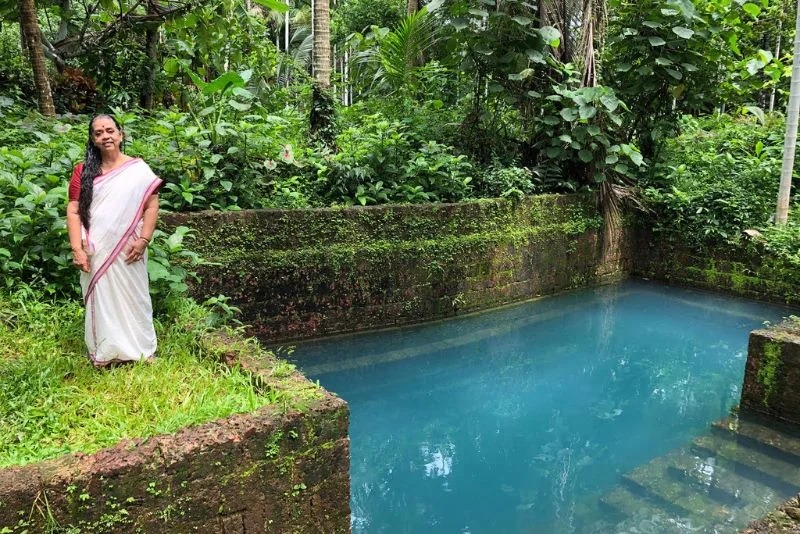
(135,252)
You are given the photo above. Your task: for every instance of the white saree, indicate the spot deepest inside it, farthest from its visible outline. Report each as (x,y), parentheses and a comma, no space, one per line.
(119,313)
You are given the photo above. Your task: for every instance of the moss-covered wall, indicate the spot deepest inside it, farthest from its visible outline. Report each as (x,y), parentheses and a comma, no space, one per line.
(743,273)
(306,273)
(273,471)
(772,374)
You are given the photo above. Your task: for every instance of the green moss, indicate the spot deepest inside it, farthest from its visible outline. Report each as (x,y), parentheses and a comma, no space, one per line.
(768,370)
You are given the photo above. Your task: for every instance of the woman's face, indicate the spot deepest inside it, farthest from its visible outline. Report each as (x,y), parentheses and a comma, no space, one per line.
(106,136)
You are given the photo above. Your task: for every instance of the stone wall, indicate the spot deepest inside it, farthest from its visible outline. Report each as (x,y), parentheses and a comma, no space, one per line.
(772,374)
(306,273)
(747,272)
(269,472)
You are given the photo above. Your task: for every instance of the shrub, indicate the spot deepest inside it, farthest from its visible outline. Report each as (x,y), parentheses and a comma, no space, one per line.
(717,179)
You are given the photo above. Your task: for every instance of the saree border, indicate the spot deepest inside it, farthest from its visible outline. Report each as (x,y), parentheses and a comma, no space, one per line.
(120,244)
(113,172)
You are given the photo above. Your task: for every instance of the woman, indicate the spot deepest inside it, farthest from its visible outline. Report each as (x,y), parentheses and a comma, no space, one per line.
(111,217)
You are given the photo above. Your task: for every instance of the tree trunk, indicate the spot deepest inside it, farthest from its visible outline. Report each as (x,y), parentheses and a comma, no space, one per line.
(33,40)
(790,140)
(412,6)
(777,56)
(322,108)
(150,63)
(322,44)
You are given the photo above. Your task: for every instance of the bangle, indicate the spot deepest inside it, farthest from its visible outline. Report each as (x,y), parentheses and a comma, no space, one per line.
(145,238)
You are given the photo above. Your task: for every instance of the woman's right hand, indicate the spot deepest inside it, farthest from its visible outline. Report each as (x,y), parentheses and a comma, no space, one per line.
(80,260)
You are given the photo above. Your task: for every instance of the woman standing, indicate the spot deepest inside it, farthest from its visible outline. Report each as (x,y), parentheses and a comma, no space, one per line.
(111,217)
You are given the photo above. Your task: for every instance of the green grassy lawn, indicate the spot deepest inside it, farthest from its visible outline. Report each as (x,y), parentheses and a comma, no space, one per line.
(52,401)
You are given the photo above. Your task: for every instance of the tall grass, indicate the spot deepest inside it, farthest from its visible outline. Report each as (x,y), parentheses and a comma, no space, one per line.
(52,401)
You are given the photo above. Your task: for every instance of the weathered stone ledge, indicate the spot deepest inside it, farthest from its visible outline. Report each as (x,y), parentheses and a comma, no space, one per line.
(268,471)
(307,273)
(772,374)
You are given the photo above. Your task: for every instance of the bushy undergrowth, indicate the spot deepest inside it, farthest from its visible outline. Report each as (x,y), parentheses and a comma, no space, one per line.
(719,178)
(52,401)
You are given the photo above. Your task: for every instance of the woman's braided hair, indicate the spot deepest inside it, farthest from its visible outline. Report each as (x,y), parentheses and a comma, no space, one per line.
(91,170)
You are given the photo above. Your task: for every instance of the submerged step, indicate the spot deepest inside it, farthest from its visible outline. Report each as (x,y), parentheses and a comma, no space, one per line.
(705,475)
(625,503)
(771,437)
(656,481)
(750,462)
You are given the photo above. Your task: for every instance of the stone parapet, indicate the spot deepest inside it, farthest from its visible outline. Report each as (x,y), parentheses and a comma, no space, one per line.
(306,273)
(772,374)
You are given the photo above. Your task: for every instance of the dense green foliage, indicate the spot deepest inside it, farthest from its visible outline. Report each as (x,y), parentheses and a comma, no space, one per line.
(718,179)
(47,388)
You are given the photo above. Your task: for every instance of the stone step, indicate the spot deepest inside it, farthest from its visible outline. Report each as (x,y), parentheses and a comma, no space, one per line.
(749,462)
(676,494)
(705,475)
(771,437)
(623,502)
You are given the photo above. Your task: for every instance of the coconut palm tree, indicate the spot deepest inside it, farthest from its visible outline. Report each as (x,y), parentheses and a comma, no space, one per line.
(29,25)
(790,140)
(322,44)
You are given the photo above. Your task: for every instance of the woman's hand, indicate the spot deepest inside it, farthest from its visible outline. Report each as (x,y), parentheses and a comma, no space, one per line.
(80,260)
(135,252)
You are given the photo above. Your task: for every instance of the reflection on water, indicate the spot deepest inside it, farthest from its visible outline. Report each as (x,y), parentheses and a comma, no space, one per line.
(522,419)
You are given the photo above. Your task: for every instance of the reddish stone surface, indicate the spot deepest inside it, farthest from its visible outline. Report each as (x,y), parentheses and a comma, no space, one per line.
(265,472)
(749,273)
(776,393)
(784,520)
(306,273)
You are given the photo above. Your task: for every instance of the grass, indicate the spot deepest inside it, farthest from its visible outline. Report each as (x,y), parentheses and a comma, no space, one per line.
(52,401)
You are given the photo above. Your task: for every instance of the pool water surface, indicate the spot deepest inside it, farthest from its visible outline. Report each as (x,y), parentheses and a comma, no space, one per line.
(582,412)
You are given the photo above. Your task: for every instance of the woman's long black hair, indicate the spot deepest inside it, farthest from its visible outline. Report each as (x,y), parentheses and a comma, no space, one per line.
(91,170)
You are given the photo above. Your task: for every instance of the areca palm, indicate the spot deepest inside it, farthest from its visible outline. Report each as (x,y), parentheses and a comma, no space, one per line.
(396,55)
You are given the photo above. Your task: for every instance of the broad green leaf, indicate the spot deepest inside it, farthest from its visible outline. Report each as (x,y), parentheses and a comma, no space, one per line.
(593,130)
(522,21)
(226,184)
(521,76)
(569,114)
(754,65)
(663,61)
(223,83)
(585,155)
(479,12)
(636,157)
(757,111)
(238,106)
(684,33)
(587,111)
(765,56)
(678,75)
(610,102)
(651,24)
(656,41)
(624,67)
(751,9)
(274,5)
(550,35)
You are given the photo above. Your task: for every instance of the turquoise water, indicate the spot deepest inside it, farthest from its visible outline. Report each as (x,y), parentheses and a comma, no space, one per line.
(521,419)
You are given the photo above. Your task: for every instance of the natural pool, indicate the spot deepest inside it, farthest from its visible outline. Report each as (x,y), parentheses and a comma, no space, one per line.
(589,411)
